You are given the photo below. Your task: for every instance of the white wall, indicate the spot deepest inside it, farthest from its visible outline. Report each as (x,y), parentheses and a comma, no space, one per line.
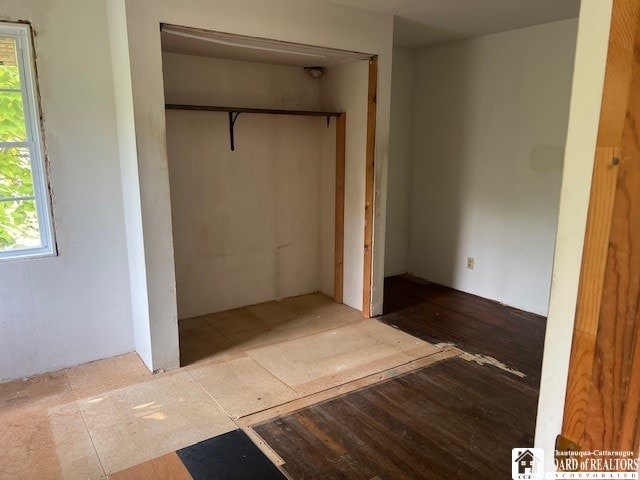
(399,176)
(73,308)
(246,224)
(586,96)
(489,130)
(300,21)
(192,79)
(126,131)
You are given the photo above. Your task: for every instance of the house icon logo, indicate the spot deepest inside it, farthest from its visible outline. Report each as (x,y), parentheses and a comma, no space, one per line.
(527,464)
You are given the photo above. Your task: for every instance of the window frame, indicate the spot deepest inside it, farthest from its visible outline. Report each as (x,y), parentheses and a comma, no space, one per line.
(22,34)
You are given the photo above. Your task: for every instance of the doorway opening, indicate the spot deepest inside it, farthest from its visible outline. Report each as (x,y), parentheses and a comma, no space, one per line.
(478,131)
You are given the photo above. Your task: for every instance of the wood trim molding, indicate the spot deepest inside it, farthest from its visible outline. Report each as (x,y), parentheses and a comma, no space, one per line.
(596,315)
(370,186)
(338,281)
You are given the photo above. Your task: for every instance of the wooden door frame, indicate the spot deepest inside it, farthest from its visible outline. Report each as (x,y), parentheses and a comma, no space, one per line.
(590,317)
(367,284)
(370,173)
(338,269)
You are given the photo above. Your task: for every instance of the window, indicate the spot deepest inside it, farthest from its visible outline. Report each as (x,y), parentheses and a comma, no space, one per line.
(25,219)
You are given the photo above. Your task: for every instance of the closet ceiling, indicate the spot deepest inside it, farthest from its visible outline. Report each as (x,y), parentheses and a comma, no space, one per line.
(420,23)
(192,41)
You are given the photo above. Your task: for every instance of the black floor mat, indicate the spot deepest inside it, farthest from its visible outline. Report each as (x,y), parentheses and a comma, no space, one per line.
(231,456)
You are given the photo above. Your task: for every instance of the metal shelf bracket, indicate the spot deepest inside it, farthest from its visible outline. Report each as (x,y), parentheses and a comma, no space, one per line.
(233,116)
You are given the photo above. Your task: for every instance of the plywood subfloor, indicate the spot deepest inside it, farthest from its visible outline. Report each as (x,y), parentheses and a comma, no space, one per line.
(111,415)
(107,416)
(257,357)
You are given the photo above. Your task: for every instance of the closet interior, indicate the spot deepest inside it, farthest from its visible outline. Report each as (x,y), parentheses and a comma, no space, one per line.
(265,200)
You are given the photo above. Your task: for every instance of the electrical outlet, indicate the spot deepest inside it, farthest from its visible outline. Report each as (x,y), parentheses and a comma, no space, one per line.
(470,262)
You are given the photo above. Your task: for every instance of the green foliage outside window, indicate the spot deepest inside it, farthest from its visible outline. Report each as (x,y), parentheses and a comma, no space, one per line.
(18,214)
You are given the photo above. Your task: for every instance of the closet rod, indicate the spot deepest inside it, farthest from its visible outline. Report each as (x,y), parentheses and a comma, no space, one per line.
(235,111)
(269,111)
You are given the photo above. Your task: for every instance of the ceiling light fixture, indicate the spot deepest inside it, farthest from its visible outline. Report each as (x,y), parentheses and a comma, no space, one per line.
(315,72)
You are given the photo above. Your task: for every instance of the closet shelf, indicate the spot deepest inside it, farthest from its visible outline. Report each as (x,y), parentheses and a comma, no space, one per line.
(235,111)
(268,111)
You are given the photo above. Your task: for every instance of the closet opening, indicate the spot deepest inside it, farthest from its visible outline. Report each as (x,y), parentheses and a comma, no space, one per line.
(268,148)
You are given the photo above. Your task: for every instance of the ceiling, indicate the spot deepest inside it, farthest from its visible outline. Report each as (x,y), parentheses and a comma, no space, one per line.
(192,41)
(420,23)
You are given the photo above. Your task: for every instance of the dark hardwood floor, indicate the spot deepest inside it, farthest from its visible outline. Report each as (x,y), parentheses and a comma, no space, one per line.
(451,420)
(476,325)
